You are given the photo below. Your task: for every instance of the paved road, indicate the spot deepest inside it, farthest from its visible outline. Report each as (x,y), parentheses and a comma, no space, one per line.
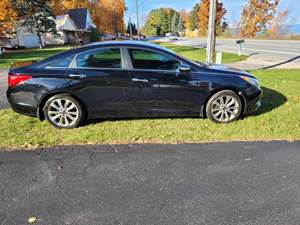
(234,183)
(262,52)
(3,87)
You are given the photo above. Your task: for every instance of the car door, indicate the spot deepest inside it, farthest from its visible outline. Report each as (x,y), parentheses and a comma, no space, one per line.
(160,89)
(104,82)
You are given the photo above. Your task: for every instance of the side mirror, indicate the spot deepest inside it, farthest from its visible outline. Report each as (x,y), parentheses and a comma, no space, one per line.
(184,68)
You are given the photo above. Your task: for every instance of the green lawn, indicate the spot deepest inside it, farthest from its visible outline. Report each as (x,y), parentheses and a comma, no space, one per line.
(199,54)
(9,58)
(278,119)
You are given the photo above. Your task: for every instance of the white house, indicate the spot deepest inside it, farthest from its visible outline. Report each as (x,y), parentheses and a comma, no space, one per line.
(72,27)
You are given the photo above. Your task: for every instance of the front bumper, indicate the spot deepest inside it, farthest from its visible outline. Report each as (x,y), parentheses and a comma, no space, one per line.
(254,102)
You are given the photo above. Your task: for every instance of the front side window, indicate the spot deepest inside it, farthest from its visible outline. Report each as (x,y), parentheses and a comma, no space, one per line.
(145,59)
(100,58)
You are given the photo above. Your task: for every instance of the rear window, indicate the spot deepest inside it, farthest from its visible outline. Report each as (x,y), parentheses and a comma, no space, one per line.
(63,63)
(100,58)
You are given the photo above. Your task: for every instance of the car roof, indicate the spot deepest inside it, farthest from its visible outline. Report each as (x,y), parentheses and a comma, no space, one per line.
(125,43)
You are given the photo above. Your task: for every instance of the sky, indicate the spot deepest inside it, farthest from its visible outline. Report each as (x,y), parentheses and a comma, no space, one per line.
(233,8)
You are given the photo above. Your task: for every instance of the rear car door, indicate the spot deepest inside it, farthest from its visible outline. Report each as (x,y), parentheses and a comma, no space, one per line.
(160,89)
(104,82)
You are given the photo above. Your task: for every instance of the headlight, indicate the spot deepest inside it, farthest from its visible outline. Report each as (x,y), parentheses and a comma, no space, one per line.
(250,80)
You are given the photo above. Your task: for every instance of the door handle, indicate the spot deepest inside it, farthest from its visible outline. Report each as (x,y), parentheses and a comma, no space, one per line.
(79,76)
(140,80)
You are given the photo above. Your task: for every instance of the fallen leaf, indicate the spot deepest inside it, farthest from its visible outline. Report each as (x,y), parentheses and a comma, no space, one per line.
(32,219)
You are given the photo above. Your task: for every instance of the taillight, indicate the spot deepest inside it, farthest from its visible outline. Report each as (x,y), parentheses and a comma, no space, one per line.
(15,79)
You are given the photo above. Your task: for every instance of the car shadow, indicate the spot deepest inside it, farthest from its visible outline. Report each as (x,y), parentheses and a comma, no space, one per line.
(271,100)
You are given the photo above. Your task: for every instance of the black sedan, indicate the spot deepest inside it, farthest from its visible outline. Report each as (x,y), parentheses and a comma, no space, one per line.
(129,79)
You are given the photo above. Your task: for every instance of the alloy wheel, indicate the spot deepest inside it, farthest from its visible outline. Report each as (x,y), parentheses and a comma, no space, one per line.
(225,108)
(63,112)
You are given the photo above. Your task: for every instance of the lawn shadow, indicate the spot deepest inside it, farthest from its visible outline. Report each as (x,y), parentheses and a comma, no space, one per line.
(271,100)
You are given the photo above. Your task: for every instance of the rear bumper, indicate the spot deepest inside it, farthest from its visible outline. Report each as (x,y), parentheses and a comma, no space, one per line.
(21,105)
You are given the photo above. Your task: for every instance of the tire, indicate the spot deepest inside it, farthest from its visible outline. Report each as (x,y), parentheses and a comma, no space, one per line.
(63,111)
(224,107)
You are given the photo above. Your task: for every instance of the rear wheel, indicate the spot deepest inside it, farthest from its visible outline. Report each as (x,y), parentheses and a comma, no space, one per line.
(63,111)
(224,107)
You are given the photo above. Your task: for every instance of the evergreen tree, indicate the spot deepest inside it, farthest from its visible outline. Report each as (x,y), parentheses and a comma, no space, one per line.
(133,28)
(36,16)
(174,23)
(180,26)
(193,18)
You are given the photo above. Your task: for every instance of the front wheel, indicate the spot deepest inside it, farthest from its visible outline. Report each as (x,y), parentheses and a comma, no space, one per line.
(63,111)
(224,107)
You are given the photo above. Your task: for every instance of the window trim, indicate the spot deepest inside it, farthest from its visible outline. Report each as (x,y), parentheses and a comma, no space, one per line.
(131,68)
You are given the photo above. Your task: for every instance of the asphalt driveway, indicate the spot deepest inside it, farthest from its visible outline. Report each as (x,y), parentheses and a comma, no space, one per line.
(3,87)
(234,183)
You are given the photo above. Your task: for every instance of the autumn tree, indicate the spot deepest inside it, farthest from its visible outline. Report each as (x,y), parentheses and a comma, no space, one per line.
(74,4)
(56,6)
(279,24)
(36,16)
(185,18)
(8,19)
(256,16)
(118,9)
(203,16)
(108,15)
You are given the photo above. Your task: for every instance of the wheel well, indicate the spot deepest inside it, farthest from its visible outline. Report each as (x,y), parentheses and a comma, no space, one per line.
(40,111)
(239,93)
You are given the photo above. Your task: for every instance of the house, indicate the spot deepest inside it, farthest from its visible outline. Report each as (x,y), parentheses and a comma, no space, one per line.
(84,23)
(73,27)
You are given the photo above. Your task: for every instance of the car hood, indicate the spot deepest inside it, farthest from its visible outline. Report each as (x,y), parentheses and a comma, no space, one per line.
(228,69)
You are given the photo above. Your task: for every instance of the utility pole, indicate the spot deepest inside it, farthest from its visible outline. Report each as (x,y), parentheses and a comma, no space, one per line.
(211,37)
(137,19)
(130,28)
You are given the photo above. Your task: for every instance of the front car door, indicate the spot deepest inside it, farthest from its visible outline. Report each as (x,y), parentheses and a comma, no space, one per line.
(160,88)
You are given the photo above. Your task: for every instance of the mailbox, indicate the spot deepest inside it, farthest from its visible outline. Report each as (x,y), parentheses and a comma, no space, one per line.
(239,43)
(242,41)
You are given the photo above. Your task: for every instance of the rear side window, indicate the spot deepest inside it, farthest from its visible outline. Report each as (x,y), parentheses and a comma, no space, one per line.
(63,63)
(100,58)
(145,59)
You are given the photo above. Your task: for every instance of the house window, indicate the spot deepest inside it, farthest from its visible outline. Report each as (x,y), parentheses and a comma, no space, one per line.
(101,58)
